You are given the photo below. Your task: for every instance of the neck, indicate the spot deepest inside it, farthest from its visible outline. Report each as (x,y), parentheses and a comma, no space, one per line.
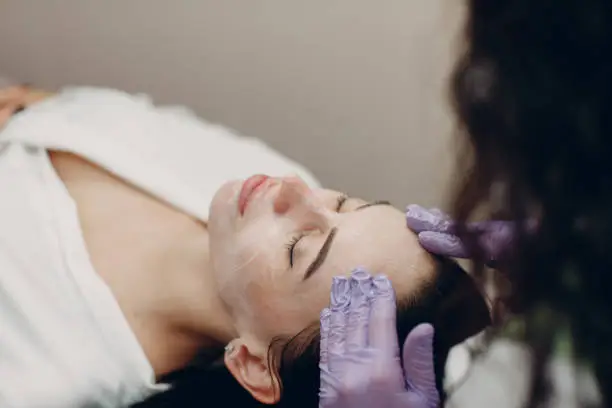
(155,260)
(185,315)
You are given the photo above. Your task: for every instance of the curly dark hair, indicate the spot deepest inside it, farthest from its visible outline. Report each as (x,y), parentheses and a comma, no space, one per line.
(533,95)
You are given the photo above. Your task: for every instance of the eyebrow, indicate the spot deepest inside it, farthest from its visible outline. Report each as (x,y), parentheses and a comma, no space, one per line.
(322,254)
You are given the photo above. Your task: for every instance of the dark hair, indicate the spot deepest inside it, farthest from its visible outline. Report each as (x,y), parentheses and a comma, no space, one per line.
(533,95)
(452,303)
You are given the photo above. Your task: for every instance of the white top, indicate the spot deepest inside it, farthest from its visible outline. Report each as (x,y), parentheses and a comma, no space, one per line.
(65,342)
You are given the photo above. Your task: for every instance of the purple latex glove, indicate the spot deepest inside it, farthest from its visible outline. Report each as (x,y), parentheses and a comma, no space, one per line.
(360,357)
(435,230)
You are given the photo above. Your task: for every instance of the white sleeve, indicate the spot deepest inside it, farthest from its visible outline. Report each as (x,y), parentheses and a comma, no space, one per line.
(167,151)
(65,341)
(500,378)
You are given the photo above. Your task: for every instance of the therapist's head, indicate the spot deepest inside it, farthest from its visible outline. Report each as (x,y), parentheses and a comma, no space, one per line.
(275,251)
(532,94)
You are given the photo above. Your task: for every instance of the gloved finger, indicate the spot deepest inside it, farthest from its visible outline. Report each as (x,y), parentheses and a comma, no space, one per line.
(496,240)
(340,302)
(494,237)
(439,213)
(443,244)
(419,219)
(481,226)
(498,237)
(323,345)
(359,310)
(382,327)
(419,364)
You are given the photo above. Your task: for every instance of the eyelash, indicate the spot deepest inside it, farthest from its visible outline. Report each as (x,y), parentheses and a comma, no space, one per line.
(293,242)
(291,247)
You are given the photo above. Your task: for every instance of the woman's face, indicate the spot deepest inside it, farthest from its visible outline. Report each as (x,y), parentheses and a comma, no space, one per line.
(276,244)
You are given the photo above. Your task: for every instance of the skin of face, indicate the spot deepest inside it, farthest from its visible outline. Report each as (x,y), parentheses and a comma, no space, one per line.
(264,287)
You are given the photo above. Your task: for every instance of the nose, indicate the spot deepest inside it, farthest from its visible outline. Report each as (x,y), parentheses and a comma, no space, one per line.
(292,193)
(295,197)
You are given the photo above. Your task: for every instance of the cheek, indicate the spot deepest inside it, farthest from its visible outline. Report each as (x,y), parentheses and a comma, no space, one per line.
(244,269)
(273,313)
(295,313)
(236,265)
(261,297)
(291,310)
(243,253)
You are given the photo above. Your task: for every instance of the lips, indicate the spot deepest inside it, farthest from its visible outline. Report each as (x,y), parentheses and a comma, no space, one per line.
(248,188)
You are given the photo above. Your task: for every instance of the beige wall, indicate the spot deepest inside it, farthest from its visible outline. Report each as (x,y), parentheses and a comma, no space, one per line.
(352,88)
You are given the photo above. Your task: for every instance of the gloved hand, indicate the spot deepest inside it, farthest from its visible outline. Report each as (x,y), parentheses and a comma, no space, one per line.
(436,232)
(360,358)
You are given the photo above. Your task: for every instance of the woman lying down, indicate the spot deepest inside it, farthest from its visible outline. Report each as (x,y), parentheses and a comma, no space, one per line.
(137,243)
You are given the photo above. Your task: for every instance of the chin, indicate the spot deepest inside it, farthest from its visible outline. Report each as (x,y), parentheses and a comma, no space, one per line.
(224,205)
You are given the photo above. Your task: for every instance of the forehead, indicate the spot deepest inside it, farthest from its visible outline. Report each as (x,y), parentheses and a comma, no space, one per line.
(377,239)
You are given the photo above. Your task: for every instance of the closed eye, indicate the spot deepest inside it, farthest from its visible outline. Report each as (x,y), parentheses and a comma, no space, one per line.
(340,202)
(322,254)
(291,247)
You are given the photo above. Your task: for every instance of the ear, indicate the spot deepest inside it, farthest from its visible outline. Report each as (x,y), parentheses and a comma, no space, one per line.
(251,370)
